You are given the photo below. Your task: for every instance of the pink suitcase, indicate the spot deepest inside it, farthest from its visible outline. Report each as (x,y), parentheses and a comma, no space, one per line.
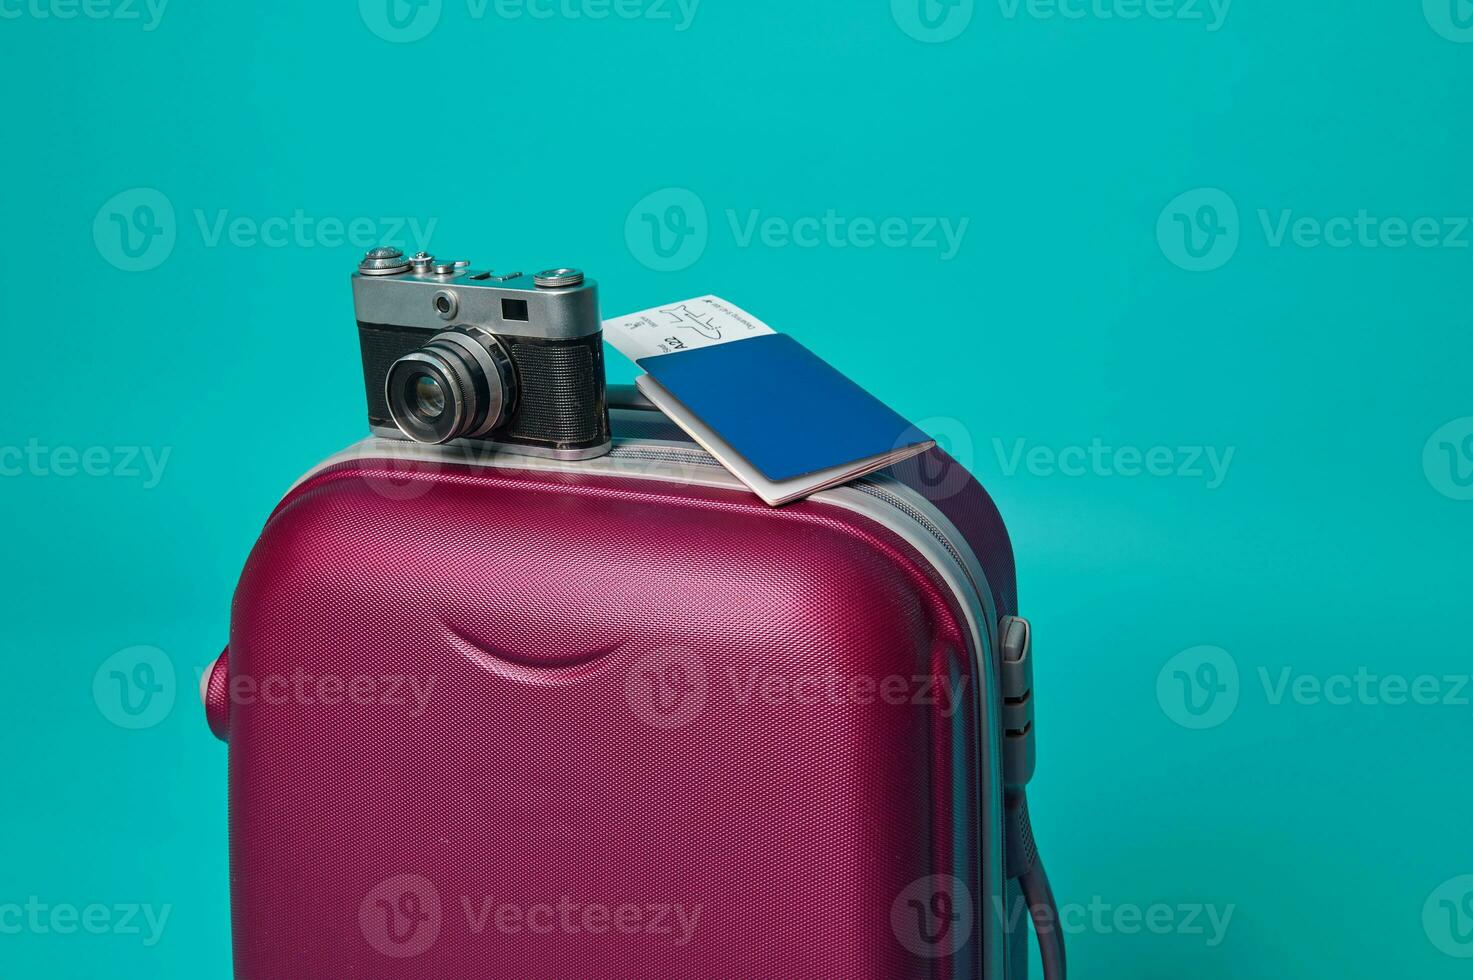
(506,717)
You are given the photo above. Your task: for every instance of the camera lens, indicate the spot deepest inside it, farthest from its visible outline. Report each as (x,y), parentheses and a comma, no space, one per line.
(460,384)
(429,397)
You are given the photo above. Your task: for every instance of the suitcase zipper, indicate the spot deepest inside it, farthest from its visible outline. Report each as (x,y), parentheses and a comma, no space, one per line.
(942,538)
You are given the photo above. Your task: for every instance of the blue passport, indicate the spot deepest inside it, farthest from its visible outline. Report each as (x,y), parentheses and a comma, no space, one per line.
(784,410)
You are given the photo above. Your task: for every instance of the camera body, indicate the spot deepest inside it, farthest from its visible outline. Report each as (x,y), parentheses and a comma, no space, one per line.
(511,361)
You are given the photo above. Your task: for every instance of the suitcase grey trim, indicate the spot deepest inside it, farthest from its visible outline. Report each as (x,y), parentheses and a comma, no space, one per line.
(391,432)
(885,501)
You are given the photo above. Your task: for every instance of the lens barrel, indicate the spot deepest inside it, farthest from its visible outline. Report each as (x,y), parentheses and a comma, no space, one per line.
(461,384)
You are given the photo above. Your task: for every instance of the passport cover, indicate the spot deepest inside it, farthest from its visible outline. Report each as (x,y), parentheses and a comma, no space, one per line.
(783,408)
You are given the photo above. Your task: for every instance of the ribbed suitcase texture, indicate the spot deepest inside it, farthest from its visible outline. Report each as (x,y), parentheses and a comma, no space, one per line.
(492,722)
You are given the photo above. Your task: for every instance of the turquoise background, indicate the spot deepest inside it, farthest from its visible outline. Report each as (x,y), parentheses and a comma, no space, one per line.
(1337,540)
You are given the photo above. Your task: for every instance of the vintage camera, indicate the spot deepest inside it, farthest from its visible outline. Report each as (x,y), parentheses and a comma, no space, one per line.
(506,359)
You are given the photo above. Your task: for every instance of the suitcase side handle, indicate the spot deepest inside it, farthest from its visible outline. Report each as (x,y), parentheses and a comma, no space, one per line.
(1020,760)
(214,694)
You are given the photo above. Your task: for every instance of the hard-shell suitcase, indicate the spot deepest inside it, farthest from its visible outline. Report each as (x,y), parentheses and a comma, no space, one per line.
(496,716)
